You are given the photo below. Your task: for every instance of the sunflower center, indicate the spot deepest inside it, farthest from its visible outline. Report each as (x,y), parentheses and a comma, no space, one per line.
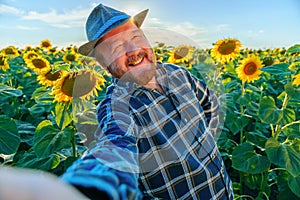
(45,44)
(70,57)
(31,55)
(227,47)
(78,85)
(250,68)
(53,76)
(38,63)
(1,60)
(9,51)
(181,52)
(268,61)
(201,58)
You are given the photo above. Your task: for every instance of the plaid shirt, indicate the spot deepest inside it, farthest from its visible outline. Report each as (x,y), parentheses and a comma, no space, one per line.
(156,146)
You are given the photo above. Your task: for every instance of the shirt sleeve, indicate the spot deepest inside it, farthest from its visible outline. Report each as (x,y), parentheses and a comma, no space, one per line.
(109,170)
(209,102)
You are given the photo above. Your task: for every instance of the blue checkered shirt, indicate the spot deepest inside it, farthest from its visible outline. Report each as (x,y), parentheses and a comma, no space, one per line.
(153,145)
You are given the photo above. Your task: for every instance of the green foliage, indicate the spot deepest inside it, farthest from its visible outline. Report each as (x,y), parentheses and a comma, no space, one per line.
(259,141)
(9,136)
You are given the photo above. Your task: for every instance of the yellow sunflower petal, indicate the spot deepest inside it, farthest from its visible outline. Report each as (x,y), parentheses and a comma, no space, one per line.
(81,84)
(29,55)
(49,78)
(296,80)
(249,69)
(70,56)
(46,44)
(38,64)
(226,50)
(182,54)
(3,63)
(10,51)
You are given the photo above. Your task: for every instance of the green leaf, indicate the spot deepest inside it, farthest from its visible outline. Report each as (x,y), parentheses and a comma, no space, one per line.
(252,181)
(294,93)
(63,114)
(61,65)
(277,69)
(10,110)
(284,191)
(37,110)
(29,160)
(268,112)
(256,137)
(224,142)
(292,131)
(87,117)
(285,155)
(9,136)
(288,116)
(7,92)
(294,49)
(26,131)
(245,159)
(242,100)
(294,184)
(235,123)
(49,140)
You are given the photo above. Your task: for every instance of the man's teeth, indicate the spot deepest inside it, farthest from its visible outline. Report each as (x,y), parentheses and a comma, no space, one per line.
(136,61)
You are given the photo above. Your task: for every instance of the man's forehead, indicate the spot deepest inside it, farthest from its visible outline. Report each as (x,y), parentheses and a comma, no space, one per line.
(119,36)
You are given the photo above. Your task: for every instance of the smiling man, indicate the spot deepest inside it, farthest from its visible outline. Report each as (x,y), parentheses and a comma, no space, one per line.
(155,138)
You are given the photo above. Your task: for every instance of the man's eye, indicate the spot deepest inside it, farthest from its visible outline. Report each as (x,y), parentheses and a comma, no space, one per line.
(117,48)
(136,37)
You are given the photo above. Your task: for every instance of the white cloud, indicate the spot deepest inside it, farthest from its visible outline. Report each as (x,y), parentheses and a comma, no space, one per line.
(27,28)
(53,17)
(153,22)
(188,29)
(181,33)
(255,33)
(9,9)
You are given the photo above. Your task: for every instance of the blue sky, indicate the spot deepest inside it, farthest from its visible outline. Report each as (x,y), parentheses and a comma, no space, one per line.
(256,23)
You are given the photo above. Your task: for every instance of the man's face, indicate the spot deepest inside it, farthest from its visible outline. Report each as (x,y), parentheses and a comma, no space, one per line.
(126,54)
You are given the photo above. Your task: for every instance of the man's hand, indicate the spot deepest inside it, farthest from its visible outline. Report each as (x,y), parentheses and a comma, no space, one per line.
(25,184)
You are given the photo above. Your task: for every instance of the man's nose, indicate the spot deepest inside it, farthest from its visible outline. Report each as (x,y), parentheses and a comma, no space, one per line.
(131,48)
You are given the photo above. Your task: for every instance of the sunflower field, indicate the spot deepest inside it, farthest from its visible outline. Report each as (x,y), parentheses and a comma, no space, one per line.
(48,98)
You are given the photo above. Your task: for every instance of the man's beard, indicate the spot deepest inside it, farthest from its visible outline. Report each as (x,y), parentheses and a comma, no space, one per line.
(141,74)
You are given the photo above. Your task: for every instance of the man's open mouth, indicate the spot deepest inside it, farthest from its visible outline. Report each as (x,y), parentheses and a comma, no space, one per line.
(135,60)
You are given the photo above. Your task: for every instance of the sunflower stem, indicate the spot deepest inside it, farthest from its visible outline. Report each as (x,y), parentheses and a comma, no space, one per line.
(73,141)
(278,128)
(242,137)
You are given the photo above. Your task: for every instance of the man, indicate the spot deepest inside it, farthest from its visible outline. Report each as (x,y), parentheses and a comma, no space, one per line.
(156,123)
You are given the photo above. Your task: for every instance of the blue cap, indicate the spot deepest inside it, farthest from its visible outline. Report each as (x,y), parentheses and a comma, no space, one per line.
(103,19)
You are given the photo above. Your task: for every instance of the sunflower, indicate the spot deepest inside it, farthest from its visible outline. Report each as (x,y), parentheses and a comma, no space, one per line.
(27,48)
(182,54)
(70,56)
(49,78)
(10,51)
(295,65)
(296,80)
(81,84)
(3,63)
(38,64)
(29,55)
(46,44)
(226,50)
(249,69)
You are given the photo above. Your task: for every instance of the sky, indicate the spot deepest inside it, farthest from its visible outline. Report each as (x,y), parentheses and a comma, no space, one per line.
(255,23)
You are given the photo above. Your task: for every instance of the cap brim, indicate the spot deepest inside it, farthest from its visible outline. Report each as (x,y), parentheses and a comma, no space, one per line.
(87,48)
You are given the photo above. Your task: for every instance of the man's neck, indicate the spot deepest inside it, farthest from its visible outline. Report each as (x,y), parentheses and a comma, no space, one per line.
(153,84)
